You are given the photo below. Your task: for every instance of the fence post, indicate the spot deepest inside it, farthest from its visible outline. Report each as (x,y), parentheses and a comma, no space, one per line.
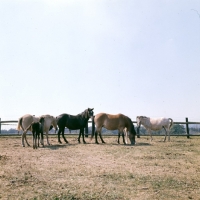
(0,126)
(86,130)
(187,128)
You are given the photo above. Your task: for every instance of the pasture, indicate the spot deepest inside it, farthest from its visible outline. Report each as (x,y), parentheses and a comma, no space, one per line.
(148,170)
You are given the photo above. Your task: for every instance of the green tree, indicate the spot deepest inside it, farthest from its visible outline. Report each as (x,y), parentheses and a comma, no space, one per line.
(177,129)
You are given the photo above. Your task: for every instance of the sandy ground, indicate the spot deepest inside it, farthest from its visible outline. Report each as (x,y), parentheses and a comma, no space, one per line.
(148,170)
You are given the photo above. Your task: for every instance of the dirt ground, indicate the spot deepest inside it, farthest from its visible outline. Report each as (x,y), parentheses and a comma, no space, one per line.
(148,170)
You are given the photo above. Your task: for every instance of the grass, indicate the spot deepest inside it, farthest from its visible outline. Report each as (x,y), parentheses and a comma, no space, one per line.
(148,170)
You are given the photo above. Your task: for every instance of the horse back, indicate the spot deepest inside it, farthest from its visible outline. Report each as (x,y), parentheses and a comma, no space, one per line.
(73,122)
(159,123)
(109,121)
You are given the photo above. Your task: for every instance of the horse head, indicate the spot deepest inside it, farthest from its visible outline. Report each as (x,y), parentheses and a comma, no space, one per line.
(139,122)
(89,112)
(132,135)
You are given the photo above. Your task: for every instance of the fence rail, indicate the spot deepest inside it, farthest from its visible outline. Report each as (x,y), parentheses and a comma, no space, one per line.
(86,130)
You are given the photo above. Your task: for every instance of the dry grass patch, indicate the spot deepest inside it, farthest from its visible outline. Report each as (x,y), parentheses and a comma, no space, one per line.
(147,170)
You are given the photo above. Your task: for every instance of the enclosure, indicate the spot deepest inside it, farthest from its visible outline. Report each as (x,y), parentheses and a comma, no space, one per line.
(148,170)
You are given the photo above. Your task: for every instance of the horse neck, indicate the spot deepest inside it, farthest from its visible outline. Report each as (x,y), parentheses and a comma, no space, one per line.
(129,125)
(146,122)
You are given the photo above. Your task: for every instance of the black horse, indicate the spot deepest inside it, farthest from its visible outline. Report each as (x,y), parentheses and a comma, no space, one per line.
(73,122)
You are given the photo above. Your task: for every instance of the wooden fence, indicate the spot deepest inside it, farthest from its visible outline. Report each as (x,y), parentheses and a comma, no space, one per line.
(86,129)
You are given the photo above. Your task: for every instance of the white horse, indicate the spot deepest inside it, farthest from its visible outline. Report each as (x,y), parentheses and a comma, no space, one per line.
(26,120)
(155,124)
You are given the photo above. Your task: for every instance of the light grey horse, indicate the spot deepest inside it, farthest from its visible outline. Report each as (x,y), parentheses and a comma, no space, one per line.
(155,124)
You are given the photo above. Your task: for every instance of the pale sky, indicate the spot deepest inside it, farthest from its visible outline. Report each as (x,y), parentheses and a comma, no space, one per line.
(132,57)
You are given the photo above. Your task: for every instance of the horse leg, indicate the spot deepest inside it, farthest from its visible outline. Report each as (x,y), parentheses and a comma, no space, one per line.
(123,137)
(168,135)
(47,137)
(36,138)
(101,137)
(150,134)
(165,133)
(96,140)
(42,138)
(24,137)
(126,137)
(33,140)
(59,131)
(79,136)
(26,140)
(63,135)
(118,137)
(83,135)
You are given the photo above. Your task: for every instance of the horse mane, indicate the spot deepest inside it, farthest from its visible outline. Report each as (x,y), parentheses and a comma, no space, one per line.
(131,124)
(144,117)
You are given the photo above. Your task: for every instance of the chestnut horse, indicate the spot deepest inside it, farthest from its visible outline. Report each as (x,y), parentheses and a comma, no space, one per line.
(118,122)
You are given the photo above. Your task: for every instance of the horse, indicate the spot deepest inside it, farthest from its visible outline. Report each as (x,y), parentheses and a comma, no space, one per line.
(113,122)
(73,122)
(49,123)
(37,128)
(155,124)
(25,121)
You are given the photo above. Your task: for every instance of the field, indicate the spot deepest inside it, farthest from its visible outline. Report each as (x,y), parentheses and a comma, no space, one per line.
(148,170)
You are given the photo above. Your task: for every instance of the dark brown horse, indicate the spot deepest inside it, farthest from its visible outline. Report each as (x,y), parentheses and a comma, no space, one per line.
(73,122)
(113,122)
(37,129)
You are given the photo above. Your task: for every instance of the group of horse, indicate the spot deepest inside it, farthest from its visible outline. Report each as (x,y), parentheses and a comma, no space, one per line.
(120,122)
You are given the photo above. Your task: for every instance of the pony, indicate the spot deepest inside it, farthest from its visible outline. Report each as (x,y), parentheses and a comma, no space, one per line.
(25,121)
(73,122)
(37,128)
(118,122)
(49,123)
(155,124)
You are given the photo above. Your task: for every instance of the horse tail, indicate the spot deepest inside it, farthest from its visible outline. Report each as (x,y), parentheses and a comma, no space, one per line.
(171,123)
(19,125)
(93,127)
